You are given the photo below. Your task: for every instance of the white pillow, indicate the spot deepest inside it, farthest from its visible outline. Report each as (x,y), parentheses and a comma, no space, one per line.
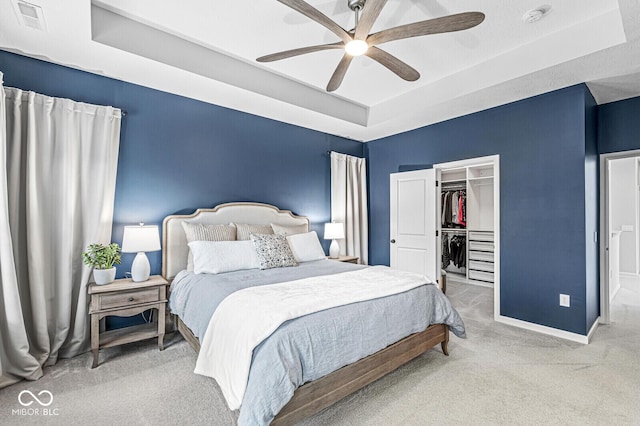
(215,257)
(289,229)
(306,247)
(204,232)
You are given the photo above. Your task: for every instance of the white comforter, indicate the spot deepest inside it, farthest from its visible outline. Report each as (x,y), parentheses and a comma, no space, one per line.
(247,317)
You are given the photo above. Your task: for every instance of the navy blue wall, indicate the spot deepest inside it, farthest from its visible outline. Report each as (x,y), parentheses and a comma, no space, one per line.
(619,126)
(178,154)
(541,143)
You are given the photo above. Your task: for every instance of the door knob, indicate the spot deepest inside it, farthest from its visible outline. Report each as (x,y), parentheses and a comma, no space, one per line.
(393,241)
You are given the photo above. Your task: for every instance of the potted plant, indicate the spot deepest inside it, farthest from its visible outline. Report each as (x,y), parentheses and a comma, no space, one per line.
(101,258)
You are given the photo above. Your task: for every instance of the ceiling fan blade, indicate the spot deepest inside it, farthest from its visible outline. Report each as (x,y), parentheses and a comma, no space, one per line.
(400,68)
(338,74)
(370,13)
(312,13)
(300,51)
(446,24)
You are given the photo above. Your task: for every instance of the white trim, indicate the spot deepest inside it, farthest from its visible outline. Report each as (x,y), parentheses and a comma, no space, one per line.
(550,331)
(593,329)
(463,164)
(496,235)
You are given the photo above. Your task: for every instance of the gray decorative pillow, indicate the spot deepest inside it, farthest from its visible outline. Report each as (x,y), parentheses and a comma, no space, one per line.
(203,232)
(273,251)
(245,230)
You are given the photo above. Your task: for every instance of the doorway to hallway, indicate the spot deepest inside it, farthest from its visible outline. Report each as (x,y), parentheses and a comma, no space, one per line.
(619,230)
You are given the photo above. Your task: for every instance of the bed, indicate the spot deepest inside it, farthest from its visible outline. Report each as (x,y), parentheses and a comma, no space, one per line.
(308,386)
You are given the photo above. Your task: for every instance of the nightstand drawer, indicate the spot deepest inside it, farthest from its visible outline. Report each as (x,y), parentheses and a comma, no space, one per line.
(129,298)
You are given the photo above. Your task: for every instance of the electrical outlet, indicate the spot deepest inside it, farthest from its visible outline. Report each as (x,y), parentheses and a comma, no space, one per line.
(565,300)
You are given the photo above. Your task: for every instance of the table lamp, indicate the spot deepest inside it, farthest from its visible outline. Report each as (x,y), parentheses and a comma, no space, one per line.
(140,239)
(334,231)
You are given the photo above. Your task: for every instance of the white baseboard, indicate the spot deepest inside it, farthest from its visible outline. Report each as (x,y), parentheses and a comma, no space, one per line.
(593,329)
(574,337)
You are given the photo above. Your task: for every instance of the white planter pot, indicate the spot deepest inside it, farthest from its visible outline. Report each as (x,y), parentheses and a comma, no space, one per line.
(104,276)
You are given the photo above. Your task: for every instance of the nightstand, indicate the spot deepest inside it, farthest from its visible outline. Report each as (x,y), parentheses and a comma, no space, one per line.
(346,259)
(125,298)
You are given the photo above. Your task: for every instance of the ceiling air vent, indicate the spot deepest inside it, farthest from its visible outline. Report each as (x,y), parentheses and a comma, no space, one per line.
(30,15)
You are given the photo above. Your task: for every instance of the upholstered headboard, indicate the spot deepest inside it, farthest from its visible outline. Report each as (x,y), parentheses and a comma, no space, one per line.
(175,249)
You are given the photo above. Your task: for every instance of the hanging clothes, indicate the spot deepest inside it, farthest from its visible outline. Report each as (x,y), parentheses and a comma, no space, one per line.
(446,254)
(455,197)
(458,250)
(453,208)
(447,211)
(462,208)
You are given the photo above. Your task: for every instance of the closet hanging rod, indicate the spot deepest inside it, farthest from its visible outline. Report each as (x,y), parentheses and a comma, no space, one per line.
(453,187)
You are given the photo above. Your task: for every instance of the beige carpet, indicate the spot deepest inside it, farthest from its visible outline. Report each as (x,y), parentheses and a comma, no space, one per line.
(500,375)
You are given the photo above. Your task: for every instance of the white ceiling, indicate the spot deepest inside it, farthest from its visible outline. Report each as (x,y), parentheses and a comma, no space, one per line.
(206,50)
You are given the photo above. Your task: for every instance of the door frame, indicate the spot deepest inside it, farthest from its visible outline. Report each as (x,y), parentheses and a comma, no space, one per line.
(605,303)
(495,159)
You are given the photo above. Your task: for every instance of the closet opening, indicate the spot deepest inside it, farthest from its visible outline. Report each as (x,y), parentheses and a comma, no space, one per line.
(468,226)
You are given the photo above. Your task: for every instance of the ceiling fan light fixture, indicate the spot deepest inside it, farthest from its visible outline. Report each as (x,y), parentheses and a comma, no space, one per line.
(358,41)
(356,47)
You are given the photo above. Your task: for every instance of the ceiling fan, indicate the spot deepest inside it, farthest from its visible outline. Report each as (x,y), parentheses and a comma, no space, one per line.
(358,41)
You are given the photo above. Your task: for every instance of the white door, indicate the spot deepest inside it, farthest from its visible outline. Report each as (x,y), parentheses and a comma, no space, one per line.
(413,224)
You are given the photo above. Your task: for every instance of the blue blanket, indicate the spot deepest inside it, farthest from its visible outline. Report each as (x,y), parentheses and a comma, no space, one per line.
(309,347)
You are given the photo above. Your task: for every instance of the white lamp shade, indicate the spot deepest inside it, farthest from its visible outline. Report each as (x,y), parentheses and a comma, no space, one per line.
(140,239)
(333,231)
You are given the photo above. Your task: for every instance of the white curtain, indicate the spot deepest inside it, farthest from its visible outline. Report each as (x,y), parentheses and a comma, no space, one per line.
(58,161)
(349,204)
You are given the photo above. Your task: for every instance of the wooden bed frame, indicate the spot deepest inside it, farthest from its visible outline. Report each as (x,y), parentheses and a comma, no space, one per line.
(314,396)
